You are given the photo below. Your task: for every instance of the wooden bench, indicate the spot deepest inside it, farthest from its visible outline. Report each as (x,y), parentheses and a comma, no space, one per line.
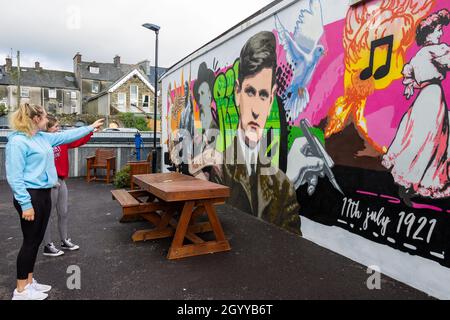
(133,206)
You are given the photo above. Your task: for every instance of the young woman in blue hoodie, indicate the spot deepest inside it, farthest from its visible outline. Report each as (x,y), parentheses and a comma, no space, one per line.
(31,173)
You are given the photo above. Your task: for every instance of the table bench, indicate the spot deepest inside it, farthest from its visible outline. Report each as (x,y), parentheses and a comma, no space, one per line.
(165,196)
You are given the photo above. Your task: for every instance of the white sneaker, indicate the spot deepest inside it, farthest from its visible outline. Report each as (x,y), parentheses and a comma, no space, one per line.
(29,294)
(40,287)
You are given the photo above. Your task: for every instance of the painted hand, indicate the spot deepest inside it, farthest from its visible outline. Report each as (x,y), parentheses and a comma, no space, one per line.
(208,158)
(303,167)
(409,91)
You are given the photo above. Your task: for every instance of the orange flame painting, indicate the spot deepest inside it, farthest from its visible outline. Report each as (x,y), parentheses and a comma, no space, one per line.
(376,38)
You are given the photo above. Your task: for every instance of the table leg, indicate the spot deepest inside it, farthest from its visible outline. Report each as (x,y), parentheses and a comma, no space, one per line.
(178,250)
(161,222)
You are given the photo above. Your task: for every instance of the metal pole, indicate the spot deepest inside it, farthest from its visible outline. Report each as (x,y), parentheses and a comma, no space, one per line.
(155,108)
(19,96)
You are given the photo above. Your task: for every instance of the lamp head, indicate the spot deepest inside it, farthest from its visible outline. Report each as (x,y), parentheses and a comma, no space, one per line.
(151,26)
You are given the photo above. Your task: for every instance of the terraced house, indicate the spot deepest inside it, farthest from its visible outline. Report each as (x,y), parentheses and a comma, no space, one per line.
(93,87)
(56,90)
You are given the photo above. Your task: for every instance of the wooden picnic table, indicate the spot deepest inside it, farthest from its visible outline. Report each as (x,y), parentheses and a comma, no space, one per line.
(172,193)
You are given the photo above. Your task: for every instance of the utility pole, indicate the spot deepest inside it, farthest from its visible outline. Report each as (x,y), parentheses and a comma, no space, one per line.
(18,80)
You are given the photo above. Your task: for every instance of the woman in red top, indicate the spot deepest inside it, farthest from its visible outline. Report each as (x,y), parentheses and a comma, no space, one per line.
(59,193)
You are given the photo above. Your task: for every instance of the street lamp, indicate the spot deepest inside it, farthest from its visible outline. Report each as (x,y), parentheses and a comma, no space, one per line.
(154,28)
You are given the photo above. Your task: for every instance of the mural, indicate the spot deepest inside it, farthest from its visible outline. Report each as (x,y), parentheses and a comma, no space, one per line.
(343,121)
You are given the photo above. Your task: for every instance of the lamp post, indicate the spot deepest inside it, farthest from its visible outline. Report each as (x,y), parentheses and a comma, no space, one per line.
(154,28)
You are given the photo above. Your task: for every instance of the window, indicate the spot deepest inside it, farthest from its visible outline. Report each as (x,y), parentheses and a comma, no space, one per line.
(73,107)
(121,101)
(95,70)
(24,92)
(145,100)
(52,108)
(52,93)
(73,95)
(134,97)
(95,87)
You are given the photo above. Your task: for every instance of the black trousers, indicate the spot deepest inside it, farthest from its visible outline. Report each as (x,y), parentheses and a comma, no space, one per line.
(33,231)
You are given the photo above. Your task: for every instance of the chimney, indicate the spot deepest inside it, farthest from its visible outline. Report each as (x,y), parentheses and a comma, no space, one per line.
(147,67)
(76,62)
(117,60)
(37,65)
(8,66)
(77,58)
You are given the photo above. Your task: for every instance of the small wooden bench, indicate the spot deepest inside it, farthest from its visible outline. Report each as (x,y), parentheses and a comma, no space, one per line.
(133,206)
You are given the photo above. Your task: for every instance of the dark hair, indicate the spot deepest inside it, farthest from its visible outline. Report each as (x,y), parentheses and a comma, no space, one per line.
(429,24)
(204,75)
(52,120)
(259,52)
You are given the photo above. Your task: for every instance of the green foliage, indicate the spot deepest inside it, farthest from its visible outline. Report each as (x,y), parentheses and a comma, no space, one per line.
(129,120)
(3,109)
(71,119)
(122,178)
(296,132)
(141,124)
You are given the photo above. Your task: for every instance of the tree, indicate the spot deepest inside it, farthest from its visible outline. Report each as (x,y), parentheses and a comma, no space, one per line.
(3,109)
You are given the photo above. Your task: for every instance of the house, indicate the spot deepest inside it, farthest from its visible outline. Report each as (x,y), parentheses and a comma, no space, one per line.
(56,90)
(108,88)
(92,87)
(130,93)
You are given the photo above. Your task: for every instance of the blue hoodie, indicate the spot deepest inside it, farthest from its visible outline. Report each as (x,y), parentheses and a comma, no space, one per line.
(30,162)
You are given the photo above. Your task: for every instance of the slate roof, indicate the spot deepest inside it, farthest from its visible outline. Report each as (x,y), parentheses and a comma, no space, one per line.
(107,71)
(151,76)
(31,77)
(111,72)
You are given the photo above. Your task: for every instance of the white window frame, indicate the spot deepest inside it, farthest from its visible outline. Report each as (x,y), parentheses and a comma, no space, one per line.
(52,94)
(98,87)
(74,108)
(24,92)
(94,70)
(121,106)
(136,101)
(73,95)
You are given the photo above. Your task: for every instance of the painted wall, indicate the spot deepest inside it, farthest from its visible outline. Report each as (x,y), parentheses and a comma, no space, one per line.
(349,139)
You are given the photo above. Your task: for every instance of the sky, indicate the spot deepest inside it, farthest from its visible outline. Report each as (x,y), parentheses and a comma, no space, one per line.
(53,31)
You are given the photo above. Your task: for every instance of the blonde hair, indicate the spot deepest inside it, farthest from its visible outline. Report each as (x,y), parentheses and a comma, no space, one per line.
(22,119)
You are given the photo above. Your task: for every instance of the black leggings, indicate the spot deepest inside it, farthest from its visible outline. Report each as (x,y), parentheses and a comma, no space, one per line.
(33,231)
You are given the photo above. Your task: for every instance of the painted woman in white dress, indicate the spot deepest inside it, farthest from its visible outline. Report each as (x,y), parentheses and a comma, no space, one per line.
(418,157)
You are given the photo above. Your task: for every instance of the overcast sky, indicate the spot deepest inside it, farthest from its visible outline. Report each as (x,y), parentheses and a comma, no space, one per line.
(52,31)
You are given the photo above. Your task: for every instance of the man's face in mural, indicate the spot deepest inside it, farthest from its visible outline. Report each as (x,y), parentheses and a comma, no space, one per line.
(435,36)
(205,99)
(254,98)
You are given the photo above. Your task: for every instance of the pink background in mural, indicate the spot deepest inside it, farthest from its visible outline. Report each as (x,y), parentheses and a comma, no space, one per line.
(384,108)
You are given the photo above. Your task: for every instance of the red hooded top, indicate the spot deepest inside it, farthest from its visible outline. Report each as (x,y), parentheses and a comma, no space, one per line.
(62,155)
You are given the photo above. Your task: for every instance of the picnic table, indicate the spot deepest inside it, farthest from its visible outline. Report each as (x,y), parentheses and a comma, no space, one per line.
(163,197)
